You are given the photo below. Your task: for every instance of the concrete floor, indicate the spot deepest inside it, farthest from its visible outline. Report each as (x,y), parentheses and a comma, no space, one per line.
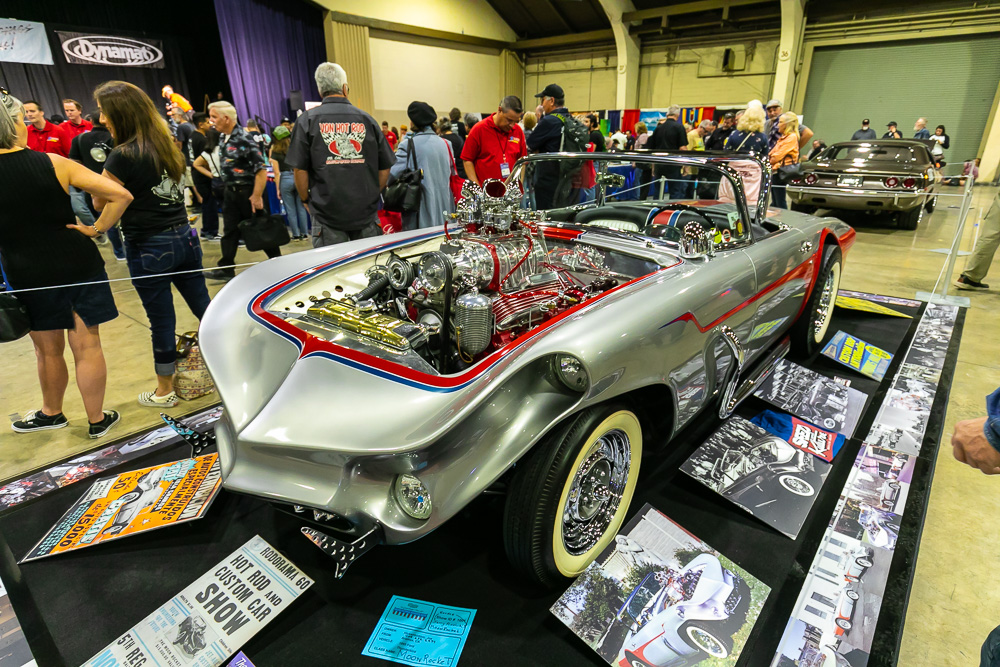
(953,605)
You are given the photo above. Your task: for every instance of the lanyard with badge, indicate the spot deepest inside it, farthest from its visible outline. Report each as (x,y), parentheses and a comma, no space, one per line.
(504,166)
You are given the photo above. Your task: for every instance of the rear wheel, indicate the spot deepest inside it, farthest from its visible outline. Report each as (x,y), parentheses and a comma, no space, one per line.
(635,661)
(812,325)
(844,623)
(853,595)
(864,562)
(571,493)
(931,203)
(909,220)
(796,485)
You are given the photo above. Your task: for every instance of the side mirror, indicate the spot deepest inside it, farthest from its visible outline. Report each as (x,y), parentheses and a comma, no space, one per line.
(696,242)
(611,180)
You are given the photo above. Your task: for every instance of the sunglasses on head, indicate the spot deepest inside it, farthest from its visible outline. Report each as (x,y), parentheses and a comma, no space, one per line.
(4,94)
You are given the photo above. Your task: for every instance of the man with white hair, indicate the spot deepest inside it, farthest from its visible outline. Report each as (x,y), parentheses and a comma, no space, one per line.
(244,177)
(341,160)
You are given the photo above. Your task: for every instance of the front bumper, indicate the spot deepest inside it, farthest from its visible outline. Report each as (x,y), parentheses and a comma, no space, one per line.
(858,199)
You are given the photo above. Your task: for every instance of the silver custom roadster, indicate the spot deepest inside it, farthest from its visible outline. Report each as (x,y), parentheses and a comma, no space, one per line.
(376,387)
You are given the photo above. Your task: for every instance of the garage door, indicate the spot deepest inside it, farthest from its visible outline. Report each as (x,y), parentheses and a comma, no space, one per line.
(950,82)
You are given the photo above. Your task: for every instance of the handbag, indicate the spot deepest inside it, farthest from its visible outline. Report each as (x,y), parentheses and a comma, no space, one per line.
(404,195)
(14,321)
(455,182)
(191,377)
(264,230)
(788,171)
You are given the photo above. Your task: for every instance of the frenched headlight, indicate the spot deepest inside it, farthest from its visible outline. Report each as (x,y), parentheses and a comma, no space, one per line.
(434,268)
(412,496)
(570,372)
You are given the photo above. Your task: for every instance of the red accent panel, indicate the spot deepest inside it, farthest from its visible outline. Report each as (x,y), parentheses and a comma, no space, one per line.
(560,233)
(847,240)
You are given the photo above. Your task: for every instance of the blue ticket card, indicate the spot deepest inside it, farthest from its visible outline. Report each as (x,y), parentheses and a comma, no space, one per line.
(240,660)
(412,632)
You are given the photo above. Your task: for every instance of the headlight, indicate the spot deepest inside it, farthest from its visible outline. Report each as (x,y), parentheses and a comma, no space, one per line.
(412,496)
(434,269)
(570,372)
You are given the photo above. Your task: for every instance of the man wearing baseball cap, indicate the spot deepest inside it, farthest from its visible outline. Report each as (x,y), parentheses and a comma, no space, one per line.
(547,138)
(866,133)
(893,133)
(774,112)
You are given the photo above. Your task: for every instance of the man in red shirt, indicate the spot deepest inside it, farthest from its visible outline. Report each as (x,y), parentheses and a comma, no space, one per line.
(390,136)
(74,125)
(43,136)
(495,143)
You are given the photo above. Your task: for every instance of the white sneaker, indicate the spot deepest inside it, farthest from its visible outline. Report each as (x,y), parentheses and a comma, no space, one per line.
(151,399)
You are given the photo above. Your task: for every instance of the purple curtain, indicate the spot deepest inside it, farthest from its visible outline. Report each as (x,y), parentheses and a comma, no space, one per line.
(271,47)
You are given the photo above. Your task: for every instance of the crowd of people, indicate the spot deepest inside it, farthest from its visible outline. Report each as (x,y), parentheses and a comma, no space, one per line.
(122,172)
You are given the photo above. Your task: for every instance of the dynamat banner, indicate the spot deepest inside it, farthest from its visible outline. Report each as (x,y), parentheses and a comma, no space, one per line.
(212,618)
(135,502)
(82,48)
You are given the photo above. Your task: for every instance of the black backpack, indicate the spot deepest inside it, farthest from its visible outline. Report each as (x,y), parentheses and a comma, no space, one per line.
(575,138)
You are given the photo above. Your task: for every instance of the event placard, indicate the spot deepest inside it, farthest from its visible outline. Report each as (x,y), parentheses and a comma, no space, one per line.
(24,42)
(413,632)
(855,353)
(134,502)
(212,618)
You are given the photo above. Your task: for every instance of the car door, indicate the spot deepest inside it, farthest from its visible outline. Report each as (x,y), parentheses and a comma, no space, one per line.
(783,264)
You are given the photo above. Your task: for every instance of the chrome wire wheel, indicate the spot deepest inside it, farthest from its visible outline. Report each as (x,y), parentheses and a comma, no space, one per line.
(827,301)
(796,485)
(596,492)
(707,642)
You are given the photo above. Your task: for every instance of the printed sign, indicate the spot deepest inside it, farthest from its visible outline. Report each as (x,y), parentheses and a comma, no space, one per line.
(85,49)
(135,502)
(859,355)
(24,42)
(209,620)
(412,632)
(240,660)
(865,306)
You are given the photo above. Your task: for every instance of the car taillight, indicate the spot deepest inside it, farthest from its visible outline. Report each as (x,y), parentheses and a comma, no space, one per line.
(810,179)
(796,181)
(909,182)
(891,182)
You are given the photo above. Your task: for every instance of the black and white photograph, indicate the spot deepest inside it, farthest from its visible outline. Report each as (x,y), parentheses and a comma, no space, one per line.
(765,475)
(911,394)
(929,375)
(807,395)
(895,439)
(903,417)
(881,478)
(648,599)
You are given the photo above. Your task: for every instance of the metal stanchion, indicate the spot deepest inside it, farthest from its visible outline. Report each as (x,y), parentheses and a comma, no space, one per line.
(942,296)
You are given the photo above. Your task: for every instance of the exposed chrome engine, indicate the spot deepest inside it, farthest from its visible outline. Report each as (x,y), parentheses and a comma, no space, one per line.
(485,285)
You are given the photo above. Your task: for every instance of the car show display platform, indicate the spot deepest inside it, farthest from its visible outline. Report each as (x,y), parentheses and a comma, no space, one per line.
(70,606)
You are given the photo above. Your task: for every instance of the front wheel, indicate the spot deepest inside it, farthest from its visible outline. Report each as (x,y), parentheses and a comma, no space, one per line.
(811,327)
(571,493)
(706,638)
(796,485)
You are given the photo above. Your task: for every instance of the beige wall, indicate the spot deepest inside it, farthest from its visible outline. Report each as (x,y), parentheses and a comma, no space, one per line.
(468,17)
(590,80)
(442,77)
(694,77)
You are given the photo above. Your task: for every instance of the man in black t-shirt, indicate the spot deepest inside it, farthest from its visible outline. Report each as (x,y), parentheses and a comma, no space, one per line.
(341,161)
(669,135)
(198,144)
(91,149)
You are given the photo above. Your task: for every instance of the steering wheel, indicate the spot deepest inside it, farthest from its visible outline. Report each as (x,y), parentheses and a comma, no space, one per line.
(691,209)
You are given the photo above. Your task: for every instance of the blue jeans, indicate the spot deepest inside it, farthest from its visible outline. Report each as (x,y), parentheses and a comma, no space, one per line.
(587,194)
(150,262)
(78,200)
(298,219)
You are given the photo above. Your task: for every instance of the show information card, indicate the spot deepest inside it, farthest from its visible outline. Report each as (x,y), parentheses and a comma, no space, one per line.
(134,502)
(212,618)
(412,632)
(855,353)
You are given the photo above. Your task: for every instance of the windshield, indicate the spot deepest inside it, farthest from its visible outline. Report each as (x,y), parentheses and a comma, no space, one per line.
(643,594)
(872,153)
(642,195)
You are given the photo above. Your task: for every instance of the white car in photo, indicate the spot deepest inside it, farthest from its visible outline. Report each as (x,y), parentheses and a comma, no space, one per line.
(846,606)
(890,494)
(857,561)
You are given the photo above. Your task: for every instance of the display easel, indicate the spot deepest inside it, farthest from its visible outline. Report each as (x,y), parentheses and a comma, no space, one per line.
(944,278)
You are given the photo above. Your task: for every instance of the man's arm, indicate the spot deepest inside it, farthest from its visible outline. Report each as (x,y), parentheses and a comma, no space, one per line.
(470,171)
(259,183)
(201,164)
(302,183)
(805,134)
(976,442)
(383,178)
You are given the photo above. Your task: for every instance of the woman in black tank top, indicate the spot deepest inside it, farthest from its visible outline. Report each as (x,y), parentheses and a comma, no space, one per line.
(48,264)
